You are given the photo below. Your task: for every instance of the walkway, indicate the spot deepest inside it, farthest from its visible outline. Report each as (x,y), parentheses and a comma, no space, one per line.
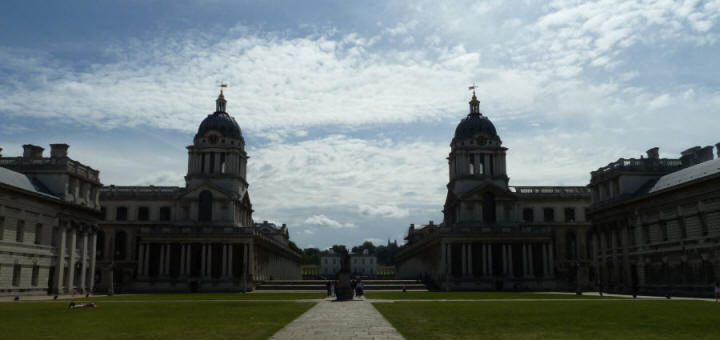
(355,319)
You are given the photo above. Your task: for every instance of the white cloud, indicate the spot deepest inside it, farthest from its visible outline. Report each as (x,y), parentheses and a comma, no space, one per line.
(389,211)
(323,220)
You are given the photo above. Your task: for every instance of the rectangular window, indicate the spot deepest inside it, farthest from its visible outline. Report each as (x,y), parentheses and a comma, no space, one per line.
(20,231)
(103,211)
(481,165)
(2,226)
(528,215)
(35,275)
(549,214)
(16,275)
(143,214)
(38,233)
(54,239)
(165,214)
(569,214)
(121,213)
(222,162)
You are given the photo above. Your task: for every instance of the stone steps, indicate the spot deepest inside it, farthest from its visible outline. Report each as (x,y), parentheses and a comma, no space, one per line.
(319,285)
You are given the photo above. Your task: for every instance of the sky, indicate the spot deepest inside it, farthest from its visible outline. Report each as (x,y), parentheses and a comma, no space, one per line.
(348,108)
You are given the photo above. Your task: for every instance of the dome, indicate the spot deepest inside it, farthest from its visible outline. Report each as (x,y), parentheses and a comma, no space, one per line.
(222,123)
(474,124)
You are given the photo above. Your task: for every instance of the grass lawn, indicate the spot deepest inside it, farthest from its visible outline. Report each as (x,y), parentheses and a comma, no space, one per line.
(147,320)
(209,296)
(621,318)
(471,296)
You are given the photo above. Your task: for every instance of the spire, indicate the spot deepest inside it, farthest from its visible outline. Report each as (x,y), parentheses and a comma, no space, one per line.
(220,102)
(474,102)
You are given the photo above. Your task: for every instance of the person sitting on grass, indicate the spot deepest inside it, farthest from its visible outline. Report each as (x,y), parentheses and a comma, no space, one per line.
(73,305)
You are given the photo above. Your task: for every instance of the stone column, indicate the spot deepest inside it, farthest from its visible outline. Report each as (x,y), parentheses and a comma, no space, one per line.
(223,272)
(525,260)
(490,260)
(531,264)
(469,257)
(182,260)
(449,257)
(93,255)
(203,260)
(545,260)
(60,264)
(551,261)
(208,267)
(167,259)
(84,260)
(146,266)
(510,260)
(188,259)
(251,261)
(141,260)
(504,259)
(463,260)
(161,265)
(245,267)
(484,252)
(71,269)
(230,261)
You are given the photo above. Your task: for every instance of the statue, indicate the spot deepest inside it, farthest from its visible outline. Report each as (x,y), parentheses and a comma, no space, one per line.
(344,291)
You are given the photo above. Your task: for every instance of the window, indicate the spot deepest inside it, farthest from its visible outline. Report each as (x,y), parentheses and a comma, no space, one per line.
(2,226)
(205,206)
(491,166)
(222,162)
(663,231)
(569,214)
(54,239)
(16,275)
(471,165)
(165,214)
(20,231)
(481,165)
(38,233)
(35,274)
(103,211)
(120,245)
(121,213)
(488,206)
(143,214)
(528,215)
(646,233)
(549,215)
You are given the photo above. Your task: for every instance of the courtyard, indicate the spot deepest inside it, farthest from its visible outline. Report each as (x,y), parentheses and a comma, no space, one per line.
(381,315)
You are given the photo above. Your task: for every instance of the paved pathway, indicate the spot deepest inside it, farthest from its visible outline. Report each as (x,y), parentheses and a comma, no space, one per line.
(339,320)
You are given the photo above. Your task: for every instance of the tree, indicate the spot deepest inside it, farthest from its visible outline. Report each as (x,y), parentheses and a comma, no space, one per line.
(339,249)
(311,256)
(366,245)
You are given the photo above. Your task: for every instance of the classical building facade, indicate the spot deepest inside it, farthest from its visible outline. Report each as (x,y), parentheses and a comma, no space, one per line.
(363,264)
(200,237)
(495,236)
(656,224)
(49,211)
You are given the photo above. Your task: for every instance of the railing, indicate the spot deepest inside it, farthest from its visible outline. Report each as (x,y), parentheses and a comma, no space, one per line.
(643,164)
(550,190)
(73,167)
(138,189)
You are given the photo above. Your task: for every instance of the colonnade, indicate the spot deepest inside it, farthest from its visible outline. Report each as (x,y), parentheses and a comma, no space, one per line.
(68,236)
(488,266)
(185,267)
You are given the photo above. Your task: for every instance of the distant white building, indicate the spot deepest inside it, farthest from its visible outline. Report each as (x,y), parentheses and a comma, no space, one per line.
(363,264)
(330,264)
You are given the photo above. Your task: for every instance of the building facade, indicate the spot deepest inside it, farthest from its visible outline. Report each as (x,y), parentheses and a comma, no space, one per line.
(200,237)
(49,211)
(656,224)
(495,236)
(363,264)
(330,264)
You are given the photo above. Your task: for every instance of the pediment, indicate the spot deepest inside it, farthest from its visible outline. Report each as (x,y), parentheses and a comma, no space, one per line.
(216,191)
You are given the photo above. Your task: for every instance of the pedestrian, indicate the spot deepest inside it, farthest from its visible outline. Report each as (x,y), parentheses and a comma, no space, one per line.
(359,289)
(717,291)
(328,286)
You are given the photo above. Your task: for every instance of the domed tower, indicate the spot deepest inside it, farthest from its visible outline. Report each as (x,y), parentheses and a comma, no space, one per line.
(217,156)
(477,169)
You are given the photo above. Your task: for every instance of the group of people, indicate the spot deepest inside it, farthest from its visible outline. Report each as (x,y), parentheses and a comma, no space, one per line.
(358,288)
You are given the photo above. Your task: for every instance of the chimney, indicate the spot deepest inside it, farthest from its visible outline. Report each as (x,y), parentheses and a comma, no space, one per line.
(653,153)
(58,150)
(0,152)
(32,151)
(718,149)
(688,157)
(432,222)
(705,154)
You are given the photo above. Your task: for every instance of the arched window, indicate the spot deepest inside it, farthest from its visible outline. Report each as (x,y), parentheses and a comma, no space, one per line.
(488,206)
(120,245)
(205,209)
(471,165)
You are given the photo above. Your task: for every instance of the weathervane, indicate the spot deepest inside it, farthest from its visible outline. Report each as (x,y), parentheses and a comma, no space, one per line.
(222,86)
(473,87)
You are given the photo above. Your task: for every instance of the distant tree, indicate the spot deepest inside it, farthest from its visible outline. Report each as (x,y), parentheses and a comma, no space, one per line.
(311,256)
(366,245)
(386,254)
(339,249)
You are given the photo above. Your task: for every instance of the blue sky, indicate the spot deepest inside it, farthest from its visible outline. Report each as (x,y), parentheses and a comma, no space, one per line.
(348,108)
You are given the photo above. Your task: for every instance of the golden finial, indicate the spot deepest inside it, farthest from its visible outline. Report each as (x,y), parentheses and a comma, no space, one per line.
(222,86)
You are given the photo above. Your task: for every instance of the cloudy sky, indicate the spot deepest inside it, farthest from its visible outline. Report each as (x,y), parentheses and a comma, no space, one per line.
(348,108)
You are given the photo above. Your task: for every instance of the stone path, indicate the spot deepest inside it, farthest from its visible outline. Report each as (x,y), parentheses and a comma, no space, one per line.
(339,320)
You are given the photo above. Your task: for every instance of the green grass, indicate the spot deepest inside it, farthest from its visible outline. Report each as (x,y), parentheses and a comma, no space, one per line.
(628,319)
(471,296)
(147,320)
(208,296)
